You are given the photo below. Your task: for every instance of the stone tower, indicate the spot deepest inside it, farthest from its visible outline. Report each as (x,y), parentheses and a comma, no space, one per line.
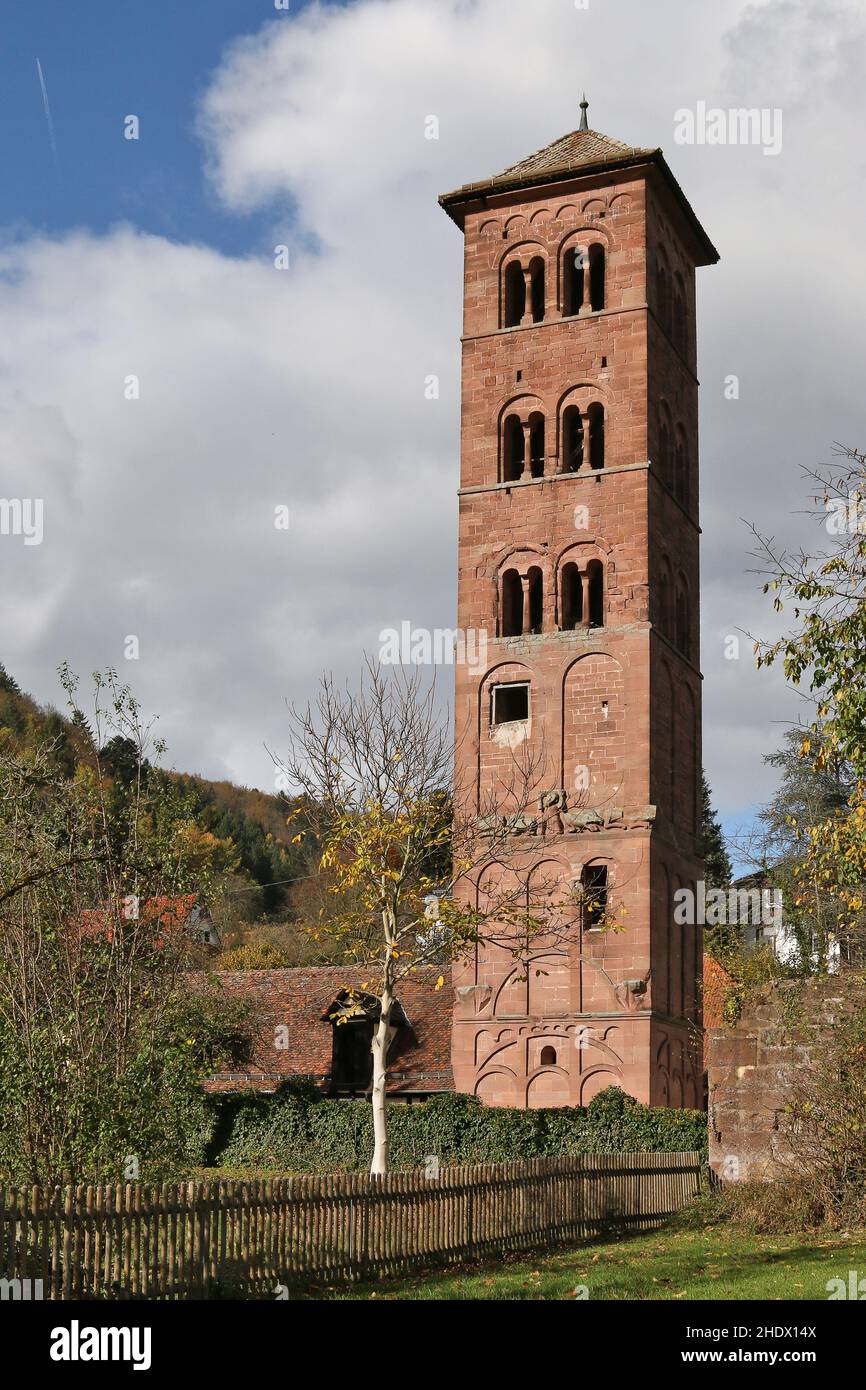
(578,557)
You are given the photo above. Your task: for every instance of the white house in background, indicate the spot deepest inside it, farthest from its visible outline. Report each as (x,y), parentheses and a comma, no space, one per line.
(199,925)
(777,933)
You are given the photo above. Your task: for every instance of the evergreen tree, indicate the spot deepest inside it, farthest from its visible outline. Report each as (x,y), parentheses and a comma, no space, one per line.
(7,682)
(717,863)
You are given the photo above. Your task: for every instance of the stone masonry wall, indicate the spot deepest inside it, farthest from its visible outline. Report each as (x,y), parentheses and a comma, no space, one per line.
(750,1070)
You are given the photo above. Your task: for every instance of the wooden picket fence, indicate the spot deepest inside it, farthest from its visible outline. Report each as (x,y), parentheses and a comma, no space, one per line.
(249,1239)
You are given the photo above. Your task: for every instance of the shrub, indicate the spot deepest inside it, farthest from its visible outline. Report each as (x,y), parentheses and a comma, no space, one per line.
(293,1131)
(255,955)
(826,1108)
(751,972)
(758,1208)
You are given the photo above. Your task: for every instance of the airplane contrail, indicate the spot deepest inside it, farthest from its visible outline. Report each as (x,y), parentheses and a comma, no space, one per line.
(48,115)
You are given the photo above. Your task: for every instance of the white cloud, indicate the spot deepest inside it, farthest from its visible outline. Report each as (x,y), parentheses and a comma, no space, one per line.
(305,387)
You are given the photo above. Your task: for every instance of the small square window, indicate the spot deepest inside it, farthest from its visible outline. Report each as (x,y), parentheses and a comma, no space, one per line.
(510,703)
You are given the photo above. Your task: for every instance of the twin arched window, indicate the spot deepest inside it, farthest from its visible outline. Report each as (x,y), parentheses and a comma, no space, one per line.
(673,458)
(524,288)
(524,443)
(521,438)
(581,599)
(674,609)
(671,306)
(522,606)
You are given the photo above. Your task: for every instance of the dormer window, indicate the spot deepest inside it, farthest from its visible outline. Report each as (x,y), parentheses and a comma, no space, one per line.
(353,1018)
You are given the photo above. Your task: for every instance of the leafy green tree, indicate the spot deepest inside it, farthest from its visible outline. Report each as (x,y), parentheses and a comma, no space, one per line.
(825,651)
(102,1045)
(824,655)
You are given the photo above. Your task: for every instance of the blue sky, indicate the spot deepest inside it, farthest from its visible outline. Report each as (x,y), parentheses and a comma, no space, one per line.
(102,60)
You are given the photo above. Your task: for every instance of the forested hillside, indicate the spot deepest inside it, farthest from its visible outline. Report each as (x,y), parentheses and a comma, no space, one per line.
(253,821)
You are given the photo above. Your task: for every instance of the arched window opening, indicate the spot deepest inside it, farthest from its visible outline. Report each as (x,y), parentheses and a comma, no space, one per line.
(595,576)
(664,305)
(572,287)
(571,598)
(665,453)
(515,294)
(594,884)
(596,276)
(682,620)
(536,599)
(536,274)
(536,445)
(595,415)
(548,1056)
(512,604)
(681,474)
(572,440)
(680,327)
(663,599)
(513,450)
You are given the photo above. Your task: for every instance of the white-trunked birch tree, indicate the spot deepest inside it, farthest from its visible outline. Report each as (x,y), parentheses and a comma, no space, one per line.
(402,855)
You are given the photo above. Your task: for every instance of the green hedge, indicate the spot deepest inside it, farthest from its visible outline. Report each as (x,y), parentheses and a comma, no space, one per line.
(293,1131)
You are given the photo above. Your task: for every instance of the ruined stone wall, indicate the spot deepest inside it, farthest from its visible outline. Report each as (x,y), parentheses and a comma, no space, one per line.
(751,1068)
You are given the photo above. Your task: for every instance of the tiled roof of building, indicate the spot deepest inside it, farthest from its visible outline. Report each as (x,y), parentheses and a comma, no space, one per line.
(582,151)
(298,1001)
(717,983)
(570,154)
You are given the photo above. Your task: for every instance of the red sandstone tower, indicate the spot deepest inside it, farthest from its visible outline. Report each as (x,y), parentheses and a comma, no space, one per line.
(578,557)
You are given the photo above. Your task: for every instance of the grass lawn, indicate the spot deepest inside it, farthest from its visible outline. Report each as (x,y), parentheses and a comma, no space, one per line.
(716,1263)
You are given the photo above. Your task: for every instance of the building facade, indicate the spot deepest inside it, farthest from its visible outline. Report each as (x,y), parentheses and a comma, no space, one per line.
(578,558)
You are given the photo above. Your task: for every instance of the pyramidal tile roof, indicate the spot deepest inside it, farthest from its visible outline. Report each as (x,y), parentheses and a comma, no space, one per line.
(572,151)
(581,149)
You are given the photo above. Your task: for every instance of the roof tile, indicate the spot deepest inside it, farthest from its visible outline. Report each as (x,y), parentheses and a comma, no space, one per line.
(298,1000)
(569,154)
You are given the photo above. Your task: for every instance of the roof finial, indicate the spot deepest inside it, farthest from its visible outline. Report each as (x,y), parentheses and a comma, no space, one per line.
(584,107)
